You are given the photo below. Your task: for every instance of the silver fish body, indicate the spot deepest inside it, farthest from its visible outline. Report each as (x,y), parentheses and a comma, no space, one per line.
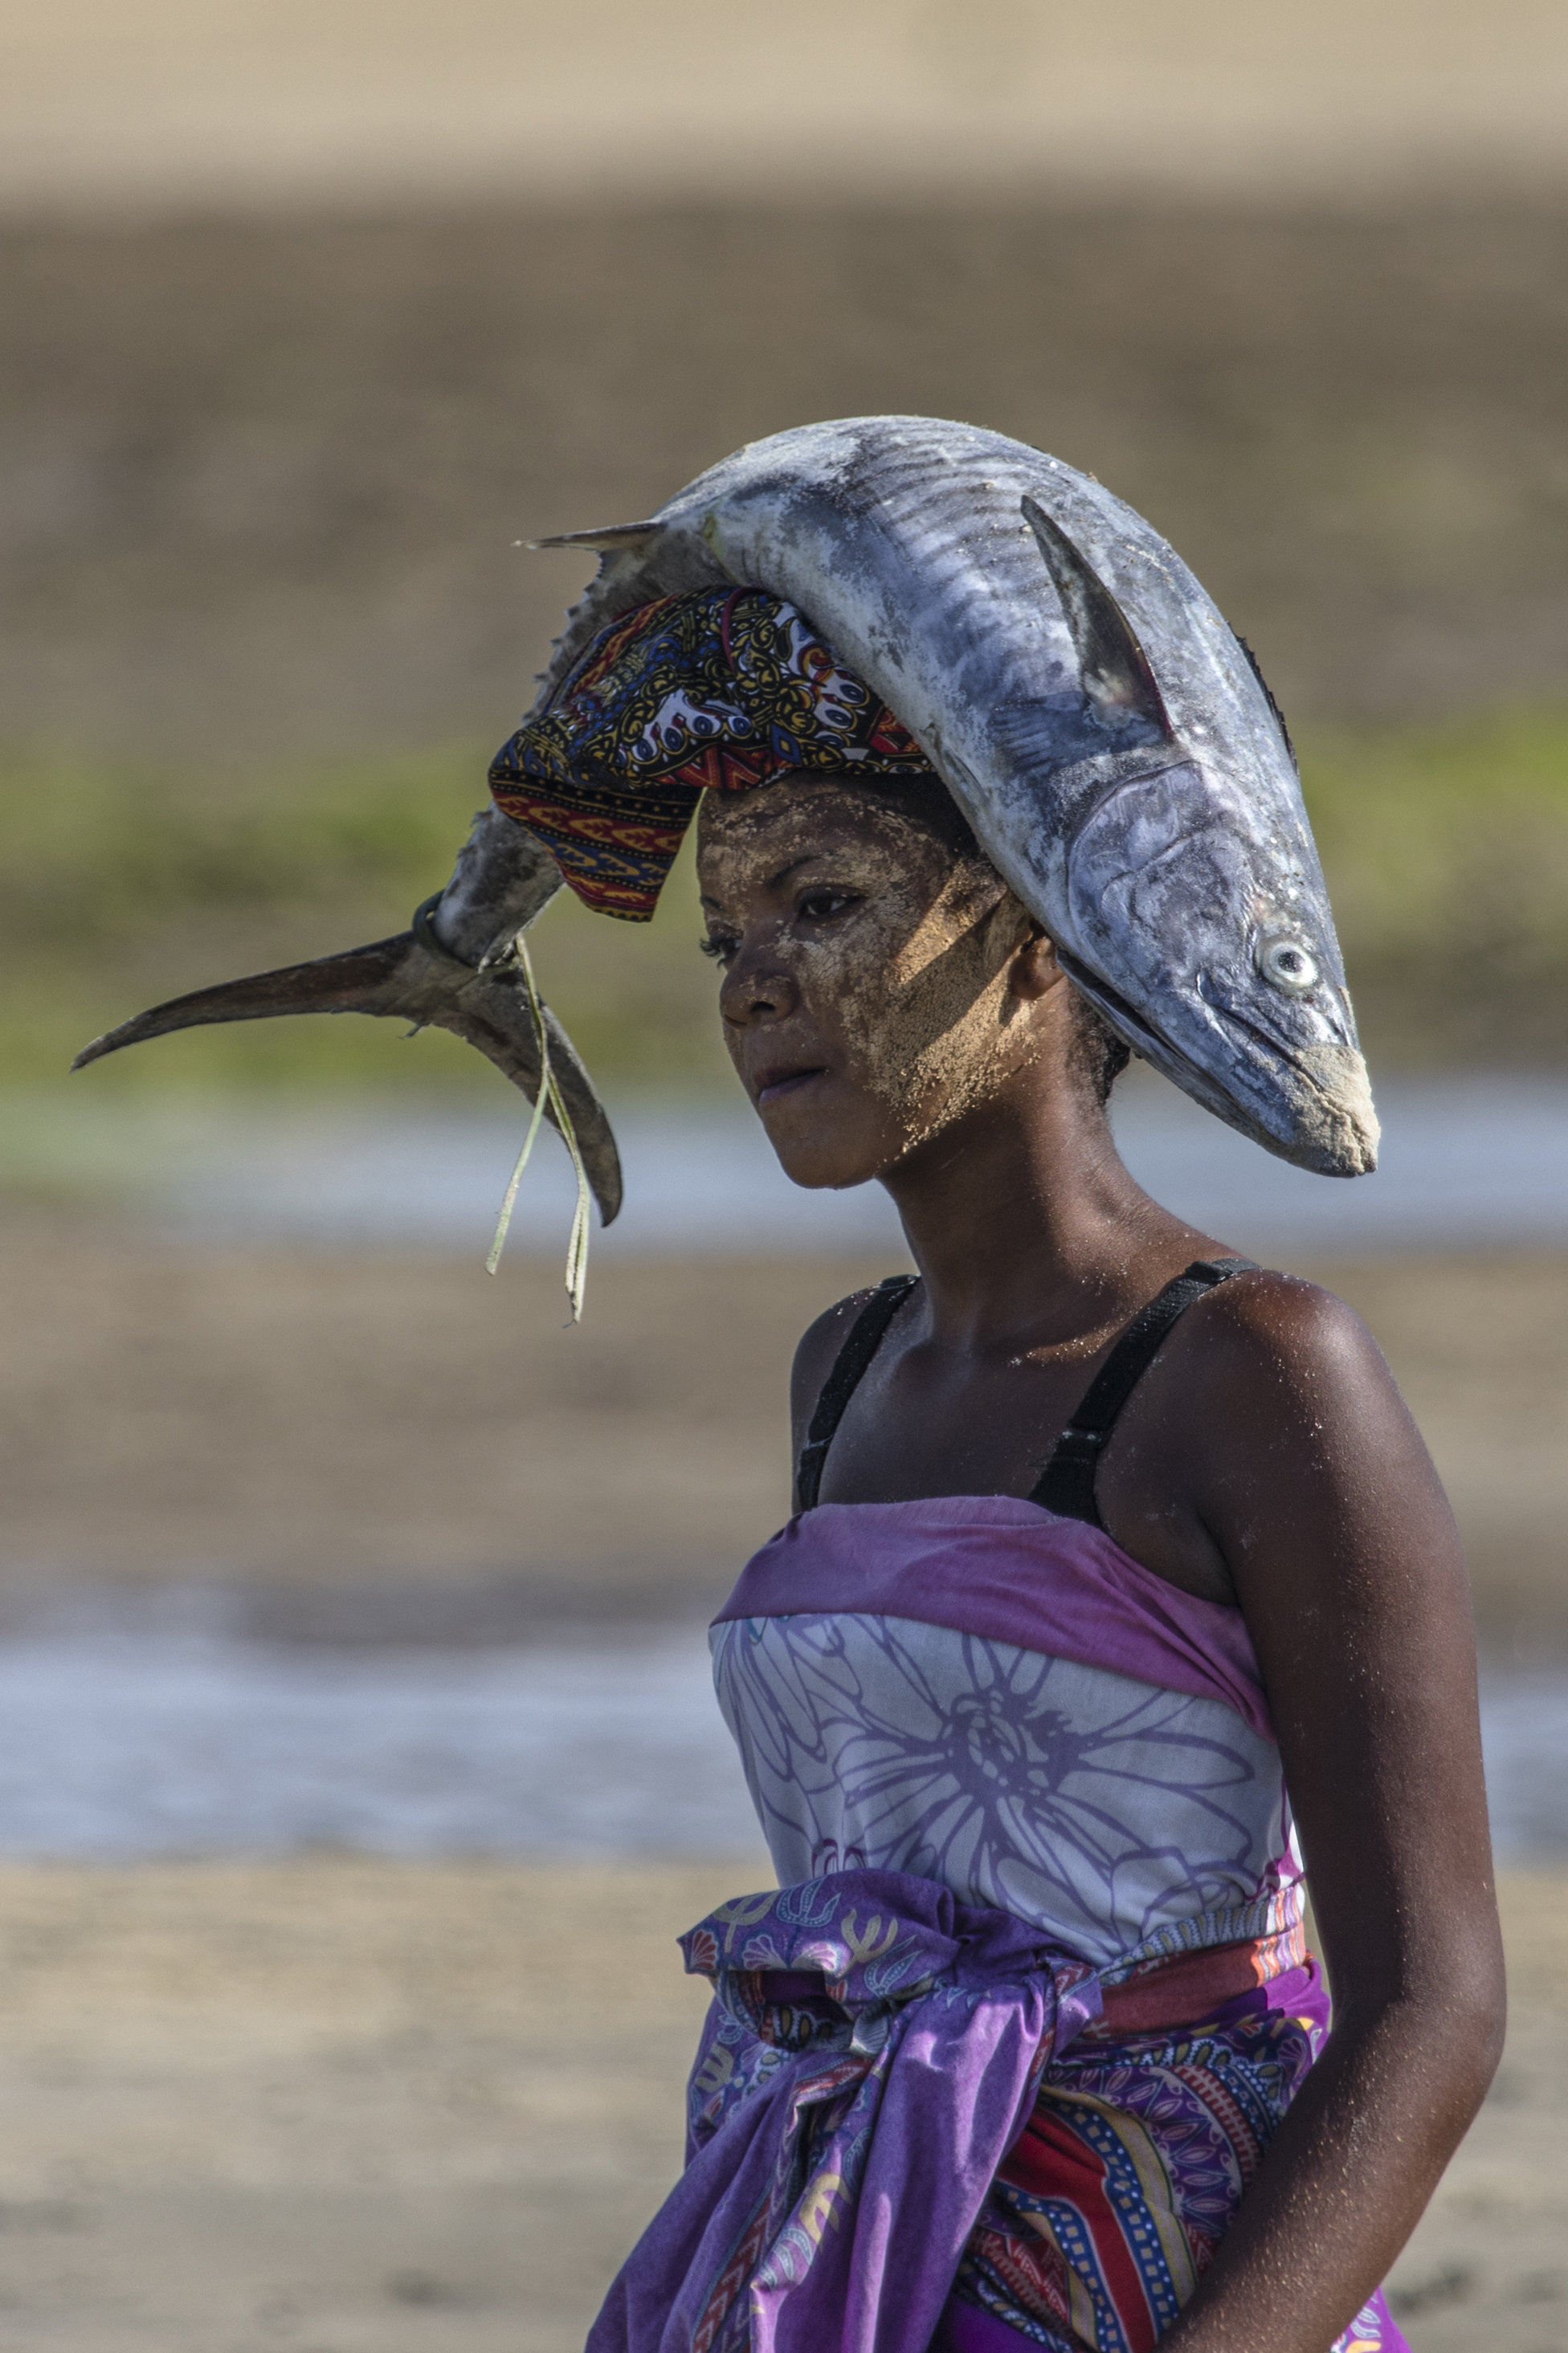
(1103,729)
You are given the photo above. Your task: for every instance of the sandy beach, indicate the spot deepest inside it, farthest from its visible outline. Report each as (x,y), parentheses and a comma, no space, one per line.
(339,2106)
(332,2104)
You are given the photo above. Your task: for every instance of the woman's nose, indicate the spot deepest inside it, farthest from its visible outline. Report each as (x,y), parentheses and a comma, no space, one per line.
(756,988)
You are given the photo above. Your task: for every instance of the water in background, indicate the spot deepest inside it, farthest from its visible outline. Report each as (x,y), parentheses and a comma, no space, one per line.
(1467,1161)
(180,1733)
(116,1745)
(124,1740)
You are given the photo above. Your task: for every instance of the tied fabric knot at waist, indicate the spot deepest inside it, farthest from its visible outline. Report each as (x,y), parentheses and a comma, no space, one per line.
(872,2053)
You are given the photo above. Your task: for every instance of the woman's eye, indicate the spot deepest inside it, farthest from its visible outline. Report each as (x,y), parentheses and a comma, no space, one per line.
(719,945)
(818,907)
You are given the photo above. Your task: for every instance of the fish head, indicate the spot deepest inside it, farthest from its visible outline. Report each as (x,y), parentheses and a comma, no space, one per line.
(1187,915)
(1191,903)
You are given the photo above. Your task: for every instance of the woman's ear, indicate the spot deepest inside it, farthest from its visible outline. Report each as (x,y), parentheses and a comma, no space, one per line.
(1034,967)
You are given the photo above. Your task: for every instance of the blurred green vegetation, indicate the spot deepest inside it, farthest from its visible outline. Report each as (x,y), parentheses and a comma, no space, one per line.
(122,887)
(1445,847)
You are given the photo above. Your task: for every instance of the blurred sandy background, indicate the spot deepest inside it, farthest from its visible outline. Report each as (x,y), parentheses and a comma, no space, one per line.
(359,2107)
(307,316)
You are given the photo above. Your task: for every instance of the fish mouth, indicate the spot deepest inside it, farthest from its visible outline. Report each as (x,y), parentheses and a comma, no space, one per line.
(773,1084)
(1334,1129)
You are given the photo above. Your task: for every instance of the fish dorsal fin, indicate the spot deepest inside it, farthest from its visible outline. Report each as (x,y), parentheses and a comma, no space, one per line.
(1112,665)
(1254,666)
(615,536)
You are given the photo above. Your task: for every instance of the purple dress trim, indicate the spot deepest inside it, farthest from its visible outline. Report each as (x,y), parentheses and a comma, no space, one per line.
(1010,1571)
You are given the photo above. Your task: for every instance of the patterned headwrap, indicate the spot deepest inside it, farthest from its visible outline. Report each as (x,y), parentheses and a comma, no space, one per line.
(717,690)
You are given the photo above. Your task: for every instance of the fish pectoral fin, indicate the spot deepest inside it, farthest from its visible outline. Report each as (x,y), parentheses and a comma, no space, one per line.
(1114,668)
(404,980)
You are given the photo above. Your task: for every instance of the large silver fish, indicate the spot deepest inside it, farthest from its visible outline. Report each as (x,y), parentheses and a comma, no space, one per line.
(1106,734)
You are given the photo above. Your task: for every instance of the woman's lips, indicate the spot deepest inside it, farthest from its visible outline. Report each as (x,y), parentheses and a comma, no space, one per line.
(772,1085)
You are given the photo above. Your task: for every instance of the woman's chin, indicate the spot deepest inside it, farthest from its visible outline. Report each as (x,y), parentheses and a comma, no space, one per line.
(822,1155)
(823,1170)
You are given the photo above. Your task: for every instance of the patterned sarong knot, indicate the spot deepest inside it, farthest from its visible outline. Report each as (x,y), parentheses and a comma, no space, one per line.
(872,2051)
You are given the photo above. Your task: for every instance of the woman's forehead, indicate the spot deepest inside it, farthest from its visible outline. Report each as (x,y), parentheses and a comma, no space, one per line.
(807,813)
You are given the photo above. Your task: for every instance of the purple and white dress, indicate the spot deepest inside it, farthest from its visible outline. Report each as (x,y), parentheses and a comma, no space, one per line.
(996,2062)
(973,1691)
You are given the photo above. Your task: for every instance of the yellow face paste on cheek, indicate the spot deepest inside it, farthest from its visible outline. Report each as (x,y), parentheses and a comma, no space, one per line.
(918,985)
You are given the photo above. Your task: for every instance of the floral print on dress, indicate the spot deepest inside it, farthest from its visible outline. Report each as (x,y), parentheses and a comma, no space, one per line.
(1121,1818)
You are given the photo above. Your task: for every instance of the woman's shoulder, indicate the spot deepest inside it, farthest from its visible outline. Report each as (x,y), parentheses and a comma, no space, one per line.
(1263,1445)
(1270,1374)
(1266,1321)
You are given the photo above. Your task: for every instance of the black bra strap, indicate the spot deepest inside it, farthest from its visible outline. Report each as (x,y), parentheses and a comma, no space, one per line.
(1067,1484)
(861,1344)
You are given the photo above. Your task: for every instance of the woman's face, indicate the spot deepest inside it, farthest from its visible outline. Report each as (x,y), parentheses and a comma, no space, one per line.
(867,998)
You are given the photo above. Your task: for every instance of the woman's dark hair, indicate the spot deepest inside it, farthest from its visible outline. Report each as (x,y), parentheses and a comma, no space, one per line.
(1098,1054)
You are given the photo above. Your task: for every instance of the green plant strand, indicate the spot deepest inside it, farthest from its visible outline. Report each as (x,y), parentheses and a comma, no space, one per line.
(548,1092)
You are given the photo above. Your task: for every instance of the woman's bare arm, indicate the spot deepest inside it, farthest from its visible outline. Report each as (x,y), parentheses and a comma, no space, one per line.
(1310,1476)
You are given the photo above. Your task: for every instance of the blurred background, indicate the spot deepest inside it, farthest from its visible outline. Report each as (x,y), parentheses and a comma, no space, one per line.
(358,1763)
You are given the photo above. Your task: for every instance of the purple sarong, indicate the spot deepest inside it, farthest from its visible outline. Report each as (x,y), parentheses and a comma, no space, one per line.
(873,2052)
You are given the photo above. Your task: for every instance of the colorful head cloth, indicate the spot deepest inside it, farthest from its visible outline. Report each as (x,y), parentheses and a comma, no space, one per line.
(717,690)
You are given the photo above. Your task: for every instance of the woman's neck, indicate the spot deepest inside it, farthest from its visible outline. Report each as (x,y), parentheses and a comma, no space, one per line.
(1024,1221)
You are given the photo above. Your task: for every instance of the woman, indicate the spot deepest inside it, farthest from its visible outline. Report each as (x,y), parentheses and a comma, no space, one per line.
(1020,2052)
(1117,1561)
(893,1013)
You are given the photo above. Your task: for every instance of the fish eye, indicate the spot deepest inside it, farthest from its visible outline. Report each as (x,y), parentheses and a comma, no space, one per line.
(1286,964)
